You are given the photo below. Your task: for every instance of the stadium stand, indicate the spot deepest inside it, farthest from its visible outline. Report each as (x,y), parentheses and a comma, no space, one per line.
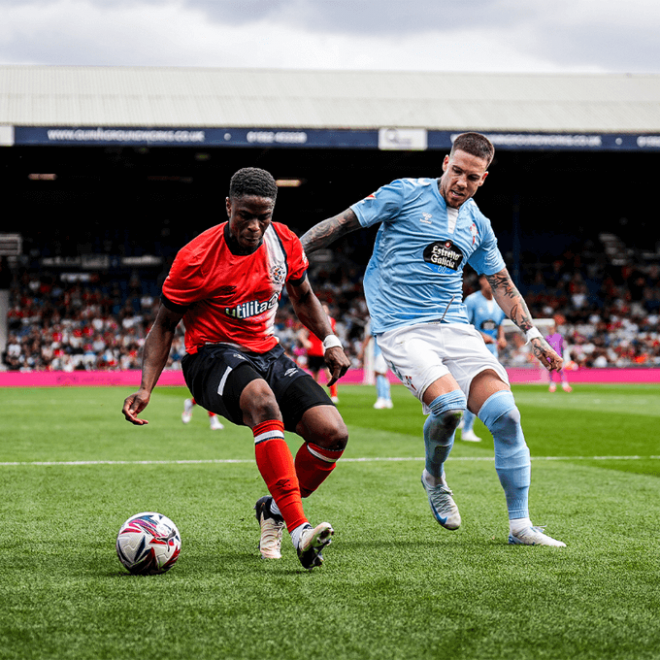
(607,308)
(127,170)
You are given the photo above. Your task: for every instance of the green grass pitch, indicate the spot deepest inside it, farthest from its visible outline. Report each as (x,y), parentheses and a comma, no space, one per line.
(395,585)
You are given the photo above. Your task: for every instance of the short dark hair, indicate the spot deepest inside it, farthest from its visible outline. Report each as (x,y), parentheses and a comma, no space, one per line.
(253,181)
(475,144)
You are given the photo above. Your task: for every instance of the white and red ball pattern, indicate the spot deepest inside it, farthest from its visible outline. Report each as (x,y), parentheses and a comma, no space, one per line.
(148,543)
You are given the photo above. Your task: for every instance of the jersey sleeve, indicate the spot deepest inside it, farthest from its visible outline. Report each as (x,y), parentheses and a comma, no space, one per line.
(185,283)
(297,262)
(380,206)
(487,258)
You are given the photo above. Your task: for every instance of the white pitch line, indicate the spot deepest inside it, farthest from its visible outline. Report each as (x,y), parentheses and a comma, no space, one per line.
(343,460)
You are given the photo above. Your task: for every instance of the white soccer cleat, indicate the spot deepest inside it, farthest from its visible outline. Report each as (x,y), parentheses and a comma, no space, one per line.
(334,399)
(534,536)
(388,403)
(380,404)
(312,541)
(469,436)
(216,424)
(270,543)
(442,505)
(186,415)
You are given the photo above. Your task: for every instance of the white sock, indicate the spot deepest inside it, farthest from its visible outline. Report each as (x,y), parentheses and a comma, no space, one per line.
(518,524)
(274,509)
(434,481)
(295,534)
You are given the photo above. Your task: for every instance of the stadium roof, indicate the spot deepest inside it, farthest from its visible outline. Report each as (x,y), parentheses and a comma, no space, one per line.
(195,97)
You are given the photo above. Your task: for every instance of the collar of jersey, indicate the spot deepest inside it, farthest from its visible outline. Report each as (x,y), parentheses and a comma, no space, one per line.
(234,247)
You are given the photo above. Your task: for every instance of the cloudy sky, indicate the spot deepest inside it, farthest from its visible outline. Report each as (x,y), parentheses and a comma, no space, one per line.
(430,35)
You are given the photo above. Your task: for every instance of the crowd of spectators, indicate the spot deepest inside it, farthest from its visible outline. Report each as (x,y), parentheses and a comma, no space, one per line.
(609,316)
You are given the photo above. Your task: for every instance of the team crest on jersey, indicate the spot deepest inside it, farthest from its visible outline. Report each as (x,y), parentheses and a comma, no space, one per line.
(278,274)
(442,255)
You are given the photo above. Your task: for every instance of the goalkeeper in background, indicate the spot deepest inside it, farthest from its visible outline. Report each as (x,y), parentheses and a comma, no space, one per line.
(557,342)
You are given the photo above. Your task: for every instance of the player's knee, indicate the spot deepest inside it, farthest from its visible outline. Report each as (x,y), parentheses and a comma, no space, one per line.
(499,412)
(258,402)
(333,435)
(502,418)
(337,437)
(323,426)
(446,413)
(508,422)
(448,408)
(452,418)
(442,425)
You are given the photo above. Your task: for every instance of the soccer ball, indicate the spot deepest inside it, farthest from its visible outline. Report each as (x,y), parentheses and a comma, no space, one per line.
(148,543)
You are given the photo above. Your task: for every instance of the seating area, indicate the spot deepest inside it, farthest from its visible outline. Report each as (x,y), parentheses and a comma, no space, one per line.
(607,307)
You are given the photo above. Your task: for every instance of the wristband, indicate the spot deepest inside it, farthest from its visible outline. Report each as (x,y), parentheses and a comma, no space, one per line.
(533,333)
(330,342)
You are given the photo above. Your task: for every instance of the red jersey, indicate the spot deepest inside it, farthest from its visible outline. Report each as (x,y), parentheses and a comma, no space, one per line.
(316,348)
(229,297)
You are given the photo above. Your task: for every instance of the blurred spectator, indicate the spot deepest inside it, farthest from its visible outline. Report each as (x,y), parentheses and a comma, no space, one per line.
(609,316)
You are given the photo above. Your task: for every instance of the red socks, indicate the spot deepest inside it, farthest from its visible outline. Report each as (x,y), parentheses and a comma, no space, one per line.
(277,468)
(288,481)
(314,465)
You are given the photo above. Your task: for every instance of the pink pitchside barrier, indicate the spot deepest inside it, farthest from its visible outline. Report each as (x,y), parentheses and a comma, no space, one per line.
(353,377)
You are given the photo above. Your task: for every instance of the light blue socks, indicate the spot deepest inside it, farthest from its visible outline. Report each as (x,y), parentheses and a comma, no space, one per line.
(439,429)
(512,462)
(382,387)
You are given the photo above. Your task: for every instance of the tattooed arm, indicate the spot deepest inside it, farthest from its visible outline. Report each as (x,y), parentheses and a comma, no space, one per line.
(328,231)
(513,305)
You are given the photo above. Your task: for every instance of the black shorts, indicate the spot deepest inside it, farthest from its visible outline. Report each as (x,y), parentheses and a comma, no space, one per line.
(315,362)
(217,374)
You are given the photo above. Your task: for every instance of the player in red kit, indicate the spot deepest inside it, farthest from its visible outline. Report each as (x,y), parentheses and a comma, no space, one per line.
(225,285)
(314,348)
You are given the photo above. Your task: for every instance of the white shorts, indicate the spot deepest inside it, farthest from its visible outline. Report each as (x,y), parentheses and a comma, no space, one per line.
(421,354)
(380,366)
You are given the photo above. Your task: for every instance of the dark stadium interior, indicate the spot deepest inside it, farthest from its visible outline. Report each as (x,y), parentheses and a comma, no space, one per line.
(133,201)
(100,227)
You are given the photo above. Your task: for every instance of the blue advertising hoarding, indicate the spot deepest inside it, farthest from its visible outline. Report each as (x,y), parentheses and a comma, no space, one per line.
(401,139)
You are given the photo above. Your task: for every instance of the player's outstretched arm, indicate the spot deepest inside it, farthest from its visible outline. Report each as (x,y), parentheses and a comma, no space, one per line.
(308,309)
(514,306)
(156,352)
(328,231)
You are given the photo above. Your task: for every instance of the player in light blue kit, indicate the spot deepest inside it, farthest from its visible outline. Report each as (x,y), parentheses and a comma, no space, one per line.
(383,395)
(429,229)
(487,317)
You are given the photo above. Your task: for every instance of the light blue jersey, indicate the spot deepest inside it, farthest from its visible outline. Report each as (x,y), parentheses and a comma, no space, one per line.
(415,273)
(486,316)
